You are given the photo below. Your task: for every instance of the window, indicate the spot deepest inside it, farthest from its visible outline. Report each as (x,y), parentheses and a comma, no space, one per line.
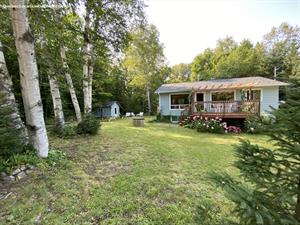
(222,96)
(254,95)
(179,101)
(200,97)
(115,111)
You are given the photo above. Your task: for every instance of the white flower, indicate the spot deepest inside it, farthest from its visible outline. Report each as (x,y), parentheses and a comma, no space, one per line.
(212,128)
(252,129)
(226,131)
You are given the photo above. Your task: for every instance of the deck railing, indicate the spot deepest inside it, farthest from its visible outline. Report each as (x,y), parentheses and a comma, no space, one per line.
(226,107)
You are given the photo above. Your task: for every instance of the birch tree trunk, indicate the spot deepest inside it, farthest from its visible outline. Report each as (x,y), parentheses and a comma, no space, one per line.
(29,78)
(88,67)
(148,100)
(56,99)
(87,77)
(9,100)
(70,84)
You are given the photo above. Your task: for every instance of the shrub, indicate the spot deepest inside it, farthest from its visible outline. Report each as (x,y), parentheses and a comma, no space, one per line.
(163,119)
(67,131)
(257,124)
(210,125)
(27,157)
(57,158)
(89,125)
(234,129)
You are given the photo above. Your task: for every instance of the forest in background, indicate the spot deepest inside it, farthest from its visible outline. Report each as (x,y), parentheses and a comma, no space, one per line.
(128,60)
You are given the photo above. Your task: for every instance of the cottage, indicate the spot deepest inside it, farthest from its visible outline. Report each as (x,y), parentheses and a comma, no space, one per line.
(109,109)
(226,98)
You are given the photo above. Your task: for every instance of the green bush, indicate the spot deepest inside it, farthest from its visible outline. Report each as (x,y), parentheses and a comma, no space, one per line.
(57,158)
(163,119)
(28,157)
(89,125)
(258,124)
(67,131)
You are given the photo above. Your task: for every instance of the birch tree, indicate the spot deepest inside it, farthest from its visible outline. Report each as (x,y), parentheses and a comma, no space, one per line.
(70,84)
(56,99)
(29,77)
(62,49)
(106,29)
(9,100)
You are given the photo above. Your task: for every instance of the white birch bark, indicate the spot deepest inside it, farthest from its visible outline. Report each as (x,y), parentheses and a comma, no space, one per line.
(88,65)
(56,99)
(70,84)
(148,100)
(9,100)
(29,78)
(87,77)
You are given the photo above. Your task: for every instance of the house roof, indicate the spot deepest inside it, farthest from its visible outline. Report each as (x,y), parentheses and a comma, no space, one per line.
(220,84)
(109,104)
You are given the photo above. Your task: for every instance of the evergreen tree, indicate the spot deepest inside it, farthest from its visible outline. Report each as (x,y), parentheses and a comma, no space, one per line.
(273,196)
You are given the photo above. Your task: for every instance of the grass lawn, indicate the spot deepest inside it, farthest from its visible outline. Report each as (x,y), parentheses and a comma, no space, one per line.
(126,175)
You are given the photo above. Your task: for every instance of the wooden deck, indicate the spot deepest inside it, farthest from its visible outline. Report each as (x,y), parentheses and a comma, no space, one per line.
(223,109)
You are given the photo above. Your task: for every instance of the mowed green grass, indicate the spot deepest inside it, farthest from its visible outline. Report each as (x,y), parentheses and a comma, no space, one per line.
(157,174)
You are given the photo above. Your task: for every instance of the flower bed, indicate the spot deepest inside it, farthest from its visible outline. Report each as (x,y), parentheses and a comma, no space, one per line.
(210,125)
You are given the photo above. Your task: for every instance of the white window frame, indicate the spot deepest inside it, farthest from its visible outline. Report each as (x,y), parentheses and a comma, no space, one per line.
(234,93)
(170,103)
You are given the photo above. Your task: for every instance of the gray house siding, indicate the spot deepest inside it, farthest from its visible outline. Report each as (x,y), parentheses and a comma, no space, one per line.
(270,97)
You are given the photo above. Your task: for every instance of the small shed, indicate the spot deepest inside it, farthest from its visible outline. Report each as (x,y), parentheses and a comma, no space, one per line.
(109,109)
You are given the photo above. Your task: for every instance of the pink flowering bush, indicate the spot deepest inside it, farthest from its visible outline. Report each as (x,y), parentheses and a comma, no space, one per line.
(234,129)
(210,125)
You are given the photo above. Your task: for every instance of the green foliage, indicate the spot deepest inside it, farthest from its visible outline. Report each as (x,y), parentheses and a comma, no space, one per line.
(258,124)
(144,65)
(89,125)
(9,162)
(272,173)
(12,140)
(163,119)
(67,131)
(57,159)
(180,73)
(279,48)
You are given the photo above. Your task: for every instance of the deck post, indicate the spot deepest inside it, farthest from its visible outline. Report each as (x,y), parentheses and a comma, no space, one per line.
(192,102)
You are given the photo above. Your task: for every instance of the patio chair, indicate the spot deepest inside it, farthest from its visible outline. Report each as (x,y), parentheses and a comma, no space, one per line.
(141,114)
(132,114)
(128,114)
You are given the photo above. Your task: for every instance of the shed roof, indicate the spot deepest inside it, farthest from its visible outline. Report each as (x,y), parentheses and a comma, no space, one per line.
(220,84)
(109,104)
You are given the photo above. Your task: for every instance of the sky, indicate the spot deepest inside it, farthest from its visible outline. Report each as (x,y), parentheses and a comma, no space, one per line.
(187,27)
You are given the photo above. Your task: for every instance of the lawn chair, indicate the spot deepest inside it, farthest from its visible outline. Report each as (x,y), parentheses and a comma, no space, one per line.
(141,114)
(132,114)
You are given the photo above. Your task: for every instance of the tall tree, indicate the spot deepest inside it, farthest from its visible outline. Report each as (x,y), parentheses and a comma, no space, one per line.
(144,60)
(282,45)
(180,73)
(9,100)
(62,49)
(106,28)
(244,60)
(202,66)
(29,77)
